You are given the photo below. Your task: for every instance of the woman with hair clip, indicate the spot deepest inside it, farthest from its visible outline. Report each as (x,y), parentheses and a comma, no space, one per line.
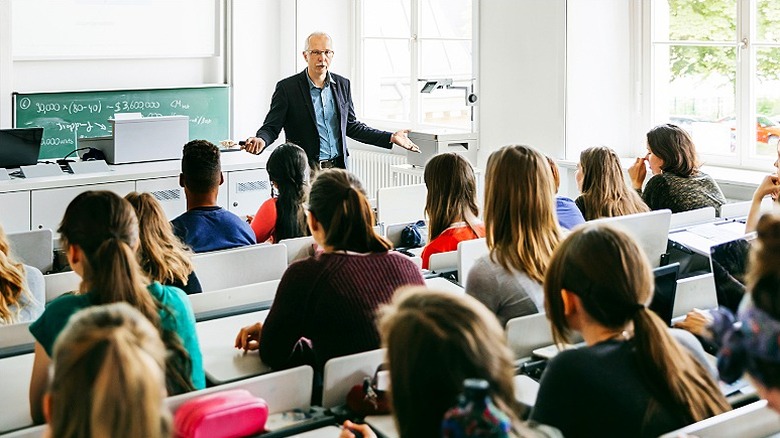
(436,340)
(100,235)
(108,377)
(604,192)
(283,216)
(522,232)
(163,256)
(632,378)
(451,204)
(328,302)
(677,183)
(22,288)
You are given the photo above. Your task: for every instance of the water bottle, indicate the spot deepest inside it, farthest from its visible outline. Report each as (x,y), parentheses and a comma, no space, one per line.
(475,415)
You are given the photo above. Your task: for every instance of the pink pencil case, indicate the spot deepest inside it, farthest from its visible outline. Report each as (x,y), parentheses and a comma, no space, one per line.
(228,414)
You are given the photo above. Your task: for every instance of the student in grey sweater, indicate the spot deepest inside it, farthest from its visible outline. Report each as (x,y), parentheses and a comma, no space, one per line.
(521,229)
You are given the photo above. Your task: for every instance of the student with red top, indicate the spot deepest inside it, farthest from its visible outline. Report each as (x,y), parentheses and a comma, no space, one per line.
(282,216)
(326,305)
(451,205)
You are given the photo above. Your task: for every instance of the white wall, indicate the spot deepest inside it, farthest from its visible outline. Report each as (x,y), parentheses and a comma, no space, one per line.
(598,85)
(522,50)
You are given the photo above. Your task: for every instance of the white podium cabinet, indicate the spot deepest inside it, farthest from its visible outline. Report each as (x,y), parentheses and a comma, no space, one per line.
(167,192)
(15,211)
(247,190)
(48,205)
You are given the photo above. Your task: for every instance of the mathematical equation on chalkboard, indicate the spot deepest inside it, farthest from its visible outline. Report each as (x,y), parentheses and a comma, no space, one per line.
(66,117)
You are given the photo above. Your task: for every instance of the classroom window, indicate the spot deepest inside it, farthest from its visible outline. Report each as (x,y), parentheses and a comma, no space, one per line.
(715,71)
(403,41)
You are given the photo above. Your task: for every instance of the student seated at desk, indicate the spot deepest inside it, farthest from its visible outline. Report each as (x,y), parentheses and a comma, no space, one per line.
(436,340)
(569,216)
(205,226)
(748,343)
(633,378)
(325,305)
(770,186)
(677,183)
(22,288)
(100,235)
(522,232)
(163,257)
(604,192)
(108,377)
(283,215)
(451,204)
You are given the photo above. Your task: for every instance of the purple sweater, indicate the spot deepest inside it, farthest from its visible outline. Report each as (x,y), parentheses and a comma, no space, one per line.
(332,300)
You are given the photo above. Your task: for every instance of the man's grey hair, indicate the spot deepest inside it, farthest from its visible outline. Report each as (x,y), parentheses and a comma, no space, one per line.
(318,34)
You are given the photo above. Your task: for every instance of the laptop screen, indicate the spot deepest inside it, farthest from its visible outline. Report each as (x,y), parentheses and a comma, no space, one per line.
(729,265)
(20,147)
(665,291)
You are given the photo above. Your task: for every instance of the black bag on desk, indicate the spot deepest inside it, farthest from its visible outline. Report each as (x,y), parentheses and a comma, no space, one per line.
(412,236)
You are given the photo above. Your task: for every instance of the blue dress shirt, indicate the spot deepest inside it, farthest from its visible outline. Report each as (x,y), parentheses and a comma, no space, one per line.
(327,120)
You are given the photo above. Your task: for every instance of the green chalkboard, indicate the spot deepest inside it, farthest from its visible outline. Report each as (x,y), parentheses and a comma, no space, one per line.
(66,117)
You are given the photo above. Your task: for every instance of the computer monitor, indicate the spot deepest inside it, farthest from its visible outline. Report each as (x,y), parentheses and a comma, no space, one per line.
(728,262)
(665,291)
(650,229)
(20,146)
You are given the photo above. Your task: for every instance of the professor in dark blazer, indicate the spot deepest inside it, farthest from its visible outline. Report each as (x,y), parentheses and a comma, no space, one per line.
(315,109)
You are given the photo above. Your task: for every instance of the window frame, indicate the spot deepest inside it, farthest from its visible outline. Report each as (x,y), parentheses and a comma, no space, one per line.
(415,120)
(745,82)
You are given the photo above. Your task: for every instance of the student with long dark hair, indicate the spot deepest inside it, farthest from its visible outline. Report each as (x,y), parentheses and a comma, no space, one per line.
(283,216)
(633,378)
(677,182)
(328,302)
(100,234)
(450,205)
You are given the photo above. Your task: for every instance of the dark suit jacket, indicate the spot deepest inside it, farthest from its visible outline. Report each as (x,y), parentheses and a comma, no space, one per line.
(292,109)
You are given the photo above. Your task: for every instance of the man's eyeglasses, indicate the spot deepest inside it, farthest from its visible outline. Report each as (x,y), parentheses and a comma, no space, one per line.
(327,53)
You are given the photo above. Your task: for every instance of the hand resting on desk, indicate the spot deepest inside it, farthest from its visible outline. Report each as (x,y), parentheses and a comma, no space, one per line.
(697,322)
(248,338)
(354,430)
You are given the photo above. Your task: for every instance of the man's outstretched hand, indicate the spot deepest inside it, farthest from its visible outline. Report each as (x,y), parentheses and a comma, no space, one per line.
(401,138)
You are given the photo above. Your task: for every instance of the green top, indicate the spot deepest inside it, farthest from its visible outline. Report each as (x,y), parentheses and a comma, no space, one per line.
(178,318)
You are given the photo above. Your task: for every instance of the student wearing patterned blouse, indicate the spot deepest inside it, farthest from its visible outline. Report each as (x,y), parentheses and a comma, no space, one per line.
(677,183)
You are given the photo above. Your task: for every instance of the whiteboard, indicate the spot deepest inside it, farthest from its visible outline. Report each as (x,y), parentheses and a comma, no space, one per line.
(101,29)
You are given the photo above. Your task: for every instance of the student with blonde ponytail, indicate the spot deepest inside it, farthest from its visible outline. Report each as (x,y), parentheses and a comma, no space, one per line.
(22,290)
(633,378)
(328,302)
(163,256)
(100,234)
(108,377)
(522,232)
